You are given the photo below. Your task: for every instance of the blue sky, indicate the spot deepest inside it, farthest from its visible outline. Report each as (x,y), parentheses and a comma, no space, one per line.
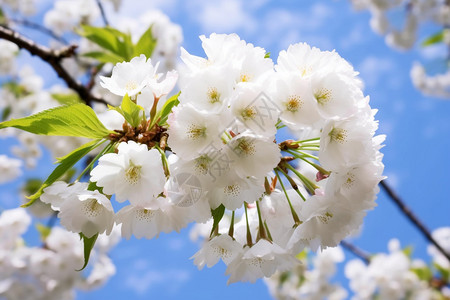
(416,152)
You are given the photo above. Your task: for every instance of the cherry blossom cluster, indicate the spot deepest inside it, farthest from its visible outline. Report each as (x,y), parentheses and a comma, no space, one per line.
(26,7)
(311,279)
(49,271)
(391,276)
(223,135)
(417,12)
(431,85)
(395,276)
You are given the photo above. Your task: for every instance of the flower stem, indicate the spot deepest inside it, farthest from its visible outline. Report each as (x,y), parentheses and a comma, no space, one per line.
(231,230)
(310,186)
(249,235)
(293,212)
(262,234)
(293,184)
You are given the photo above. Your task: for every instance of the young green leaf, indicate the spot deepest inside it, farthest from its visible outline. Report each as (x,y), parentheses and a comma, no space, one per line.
(434,39)
(88,246)
(217,215)
(44,231)
(146,44)
(163,114)
(67,99)
(445,273)
(67,120)
(101,36)
(130,111)
(65,163)
(6,112)
(104,57)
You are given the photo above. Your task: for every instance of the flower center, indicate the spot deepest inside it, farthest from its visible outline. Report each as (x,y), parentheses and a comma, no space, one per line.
(133,174)
(91,208)
(145,215)
(195,132)
(350,180)
(245,147)
(294,103)
(323,96)
(224,253)
(131,85)
(248,113)
(244,78)
(256,262)
(202,164)
(325,218)
(213,95)
(232,190)
(338,134)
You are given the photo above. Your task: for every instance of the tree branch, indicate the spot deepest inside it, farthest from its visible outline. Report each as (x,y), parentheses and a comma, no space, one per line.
(102,11)
(53,58)
(412,218)
(38,27)
(356,251)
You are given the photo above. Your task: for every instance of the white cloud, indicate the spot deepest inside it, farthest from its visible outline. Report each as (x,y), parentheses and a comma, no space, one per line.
(141,282)
(221,16)
(283,27)
(133,8)
(356,37)
(433,52)
(373,69)
(176,244)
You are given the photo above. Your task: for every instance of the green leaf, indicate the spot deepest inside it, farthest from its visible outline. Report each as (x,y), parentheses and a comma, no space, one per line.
(32,185)
(408,251)
(6,112)
(445,273)
(424,273)
(434,39)
(146,44)
(16,89)
(68,120)
(167,108)
(88,246)
(267,55)
(132,112)
(44,231)
(101,36)
(104,57)
(65,163)
(3,19)
(303,256)
(217,215)
(67,99)
(124,43)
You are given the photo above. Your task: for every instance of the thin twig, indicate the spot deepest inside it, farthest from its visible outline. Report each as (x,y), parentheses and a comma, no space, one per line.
(54,59)
(102,11)
(413,218)
(40,28)
(356,251)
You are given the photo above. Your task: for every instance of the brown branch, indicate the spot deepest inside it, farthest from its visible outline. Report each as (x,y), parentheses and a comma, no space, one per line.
(54,59)
(40,28)
(102,11)
(412,218)
(356,251)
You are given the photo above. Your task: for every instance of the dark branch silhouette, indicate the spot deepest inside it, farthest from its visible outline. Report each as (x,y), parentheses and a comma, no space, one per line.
(54,59)
(356,251)
(412,217)
(38,27)
(102,11)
